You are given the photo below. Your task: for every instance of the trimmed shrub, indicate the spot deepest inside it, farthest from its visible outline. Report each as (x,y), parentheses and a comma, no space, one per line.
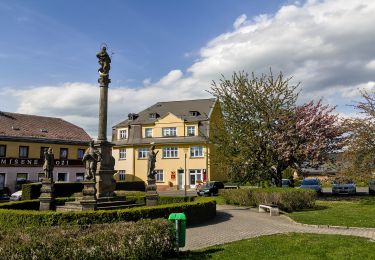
(287,199)
(31,204)
(131,185)
(62,189)
(146,239)
(174,199)
(196,212)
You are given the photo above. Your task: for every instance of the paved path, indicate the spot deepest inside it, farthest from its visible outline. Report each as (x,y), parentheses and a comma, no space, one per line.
(237,223)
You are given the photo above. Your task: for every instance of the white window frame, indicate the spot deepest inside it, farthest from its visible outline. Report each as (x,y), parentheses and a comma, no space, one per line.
(170,152)
(66,176)
(169,131)
(27,176)
(121,175)
(159,177)
(122,154)
(123,134)
(196,151)
(144,152)
(148,135)
(190,130)
(83,176)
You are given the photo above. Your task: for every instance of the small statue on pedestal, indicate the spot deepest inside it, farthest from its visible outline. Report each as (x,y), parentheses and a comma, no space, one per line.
(151,163)
(49,163)
(91,158)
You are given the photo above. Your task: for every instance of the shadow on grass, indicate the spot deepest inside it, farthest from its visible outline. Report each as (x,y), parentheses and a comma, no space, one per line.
(205,254)
(315,208)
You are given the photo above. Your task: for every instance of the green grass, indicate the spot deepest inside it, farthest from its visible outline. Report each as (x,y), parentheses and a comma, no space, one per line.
(352,212)
(290,246)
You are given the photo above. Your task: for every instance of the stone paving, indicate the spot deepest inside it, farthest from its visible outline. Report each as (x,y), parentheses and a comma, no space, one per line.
(237,223)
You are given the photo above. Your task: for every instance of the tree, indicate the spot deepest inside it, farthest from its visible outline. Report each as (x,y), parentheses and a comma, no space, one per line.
(263,132)
(358,160)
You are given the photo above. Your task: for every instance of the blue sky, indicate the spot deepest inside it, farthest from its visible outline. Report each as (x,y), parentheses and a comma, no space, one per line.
(170,50)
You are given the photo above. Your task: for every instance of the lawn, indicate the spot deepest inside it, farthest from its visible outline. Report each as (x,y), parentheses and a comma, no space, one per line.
(290,246)
(353,212)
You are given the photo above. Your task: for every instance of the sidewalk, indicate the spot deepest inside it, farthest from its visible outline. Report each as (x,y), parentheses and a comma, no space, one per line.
(237,223)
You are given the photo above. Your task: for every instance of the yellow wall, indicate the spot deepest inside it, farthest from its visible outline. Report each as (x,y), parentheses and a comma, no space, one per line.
(123,164)
(12,149)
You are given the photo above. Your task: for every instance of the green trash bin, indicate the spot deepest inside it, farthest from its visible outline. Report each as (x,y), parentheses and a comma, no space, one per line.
(180,226)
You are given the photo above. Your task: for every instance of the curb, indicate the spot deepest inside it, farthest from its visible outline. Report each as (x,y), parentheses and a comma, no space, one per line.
(325,226)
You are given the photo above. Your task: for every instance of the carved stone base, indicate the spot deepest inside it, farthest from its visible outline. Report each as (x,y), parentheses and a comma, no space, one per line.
(88,201)
(47,197)
(105,184)
(152,195)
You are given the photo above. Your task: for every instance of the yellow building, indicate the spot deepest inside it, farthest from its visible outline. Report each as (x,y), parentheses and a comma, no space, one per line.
(180,131)
(23,139)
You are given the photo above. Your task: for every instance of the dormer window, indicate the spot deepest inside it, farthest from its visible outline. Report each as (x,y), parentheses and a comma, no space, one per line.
(194,113)
(123,134)
(132,116)
(190,130)
(153,115)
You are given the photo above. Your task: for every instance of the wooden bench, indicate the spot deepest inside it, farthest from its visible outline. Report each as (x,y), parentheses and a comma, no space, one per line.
(273,209)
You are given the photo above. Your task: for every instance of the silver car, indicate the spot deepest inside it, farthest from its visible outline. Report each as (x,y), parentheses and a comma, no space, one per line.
(347,187)
(371,187)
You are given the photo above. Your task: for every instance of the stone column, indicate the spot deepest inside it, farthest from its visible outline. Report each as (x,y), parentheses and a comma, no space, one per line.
(47,197)
(103,109)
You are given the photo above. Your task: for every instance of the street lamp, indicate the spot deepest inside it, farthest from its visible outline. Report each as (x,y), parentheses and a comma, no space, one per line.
(185,153)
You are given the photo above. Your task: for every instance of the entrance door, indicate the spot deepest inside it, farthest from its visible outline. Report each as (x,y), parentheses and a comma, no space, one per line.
(195,176)
(180,179)
(2,180)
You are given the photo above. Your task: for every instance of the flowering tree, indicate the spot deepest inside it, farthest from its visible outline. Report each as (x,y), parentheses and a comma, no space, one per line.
(358,160)
(264,132)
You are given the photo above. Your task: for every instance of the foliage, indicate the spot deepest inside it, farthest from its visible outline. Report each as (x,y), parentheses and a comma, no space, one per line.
(356,213)
(263,131)
(287,199)
(30,204)
(196,212)
(358,160)
(289,246)
(146,239)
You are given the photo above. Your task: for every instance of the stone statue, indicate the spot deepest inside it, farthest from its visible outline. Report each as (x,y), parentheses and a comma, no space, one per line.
(49,163)
(151,163)
(104,61)
(91,158)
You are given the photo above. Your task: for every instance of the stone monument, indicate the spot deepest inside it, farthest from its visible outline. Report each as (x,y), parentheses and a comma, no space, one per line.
(151,193)
(47,197)
(105,184)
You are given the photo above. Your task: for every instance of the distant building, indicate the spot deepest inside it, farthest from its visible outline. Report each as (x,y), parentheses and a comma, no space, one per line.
(180,131)
(23,139)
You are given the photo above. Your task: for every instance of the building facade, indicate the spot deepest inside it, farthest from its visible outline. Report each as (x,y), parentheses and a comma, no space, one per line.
(179,130)
(23,140)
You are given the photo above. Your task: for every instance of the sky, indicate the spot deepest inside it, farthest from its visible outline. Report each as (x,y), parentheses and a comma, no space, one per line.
(172,50)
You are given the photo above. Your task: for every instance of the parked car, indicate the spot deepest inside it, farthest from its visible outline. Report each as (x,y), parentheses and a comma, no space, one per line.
(371,187)
(312,183)
(286,183)
(16,196)
(211,188)
(348,187)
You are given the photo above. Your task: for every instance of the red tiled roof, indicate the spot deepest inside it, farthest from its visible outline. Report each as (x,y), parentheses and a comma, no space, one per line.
(40,127)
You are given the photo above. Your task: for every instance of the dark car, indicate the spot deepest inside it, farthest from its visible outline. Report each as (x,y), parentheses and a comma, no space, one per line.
(371,187)
(312,183)
(211,188)
(286,183)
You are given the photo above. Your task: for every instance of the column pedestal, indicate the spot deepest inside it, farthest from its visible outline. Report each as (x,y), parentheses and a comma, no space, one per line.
(47,197)
(88,201)
(105,184)
(151,193)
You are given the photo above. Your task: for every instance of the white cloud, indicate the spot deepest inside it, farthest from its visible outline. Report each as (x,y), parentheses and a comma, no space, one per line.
(327,45)
(239,21)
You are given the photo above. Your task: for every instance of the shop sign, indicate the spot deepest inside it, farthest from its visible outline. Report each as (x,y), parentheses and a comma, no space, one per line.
(21,162)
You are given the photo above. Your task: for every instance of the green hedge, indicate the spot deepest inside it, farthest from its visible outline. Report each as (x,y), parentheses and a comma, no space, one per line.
(288,199)
(146,239)
(131,185)
(196,212)
(30,204)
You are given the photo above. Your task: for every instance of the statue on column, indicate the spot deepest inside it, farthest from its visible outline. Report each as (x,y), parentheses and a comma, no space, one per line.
(104,61)
(151,163)
(49,163)
(91,158)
